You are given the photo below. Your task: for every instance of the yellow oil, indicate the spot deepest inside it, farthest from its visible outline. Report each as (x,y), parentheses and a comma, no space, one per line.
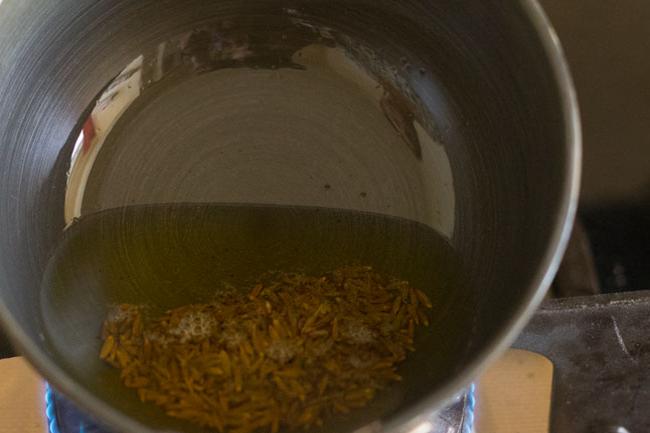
(164,256)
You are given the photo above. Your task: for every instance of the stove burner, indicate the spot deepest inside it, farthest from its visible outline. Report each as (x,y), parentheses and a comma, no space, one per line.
(64,417)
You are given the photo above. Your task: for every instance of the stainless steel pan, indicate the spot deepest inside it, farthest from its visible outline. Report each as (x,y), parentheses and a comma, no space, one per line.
(471,129)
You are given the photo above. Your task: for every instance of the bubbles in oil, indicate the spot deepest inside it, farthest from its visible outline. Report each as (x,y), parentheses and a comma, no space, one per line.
(194,325)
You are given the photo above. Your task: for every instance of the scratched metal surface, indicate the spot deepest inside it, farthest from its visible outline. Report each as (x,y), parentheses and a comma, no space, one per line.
(601,353)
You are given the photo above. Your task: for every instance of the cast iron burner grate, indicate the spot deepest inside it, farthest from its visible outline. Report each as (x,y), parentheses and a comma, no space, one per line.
(64,417)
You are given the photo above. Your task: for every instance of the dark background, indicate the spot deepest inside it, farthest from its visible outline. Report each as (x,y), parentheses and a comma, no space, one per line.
(607,44)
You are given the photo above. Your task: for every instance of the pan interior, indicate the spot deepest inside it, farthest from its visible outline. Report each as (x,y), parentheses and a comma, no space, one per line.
(232,150)
(430,138)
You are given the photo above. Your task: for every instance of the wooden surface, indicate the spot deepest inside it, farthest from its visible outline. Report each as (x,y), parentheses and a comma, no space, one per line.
(22,393)
(513,396)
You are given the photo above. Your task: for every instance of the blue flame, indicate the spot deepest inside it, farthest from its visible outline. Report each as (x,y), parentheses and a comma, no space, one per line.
(50,410)
(470,409)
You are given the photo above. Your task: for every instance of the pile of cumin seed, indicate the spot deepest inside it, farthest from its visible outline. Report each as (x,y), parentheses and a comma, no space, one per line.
(290,352)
